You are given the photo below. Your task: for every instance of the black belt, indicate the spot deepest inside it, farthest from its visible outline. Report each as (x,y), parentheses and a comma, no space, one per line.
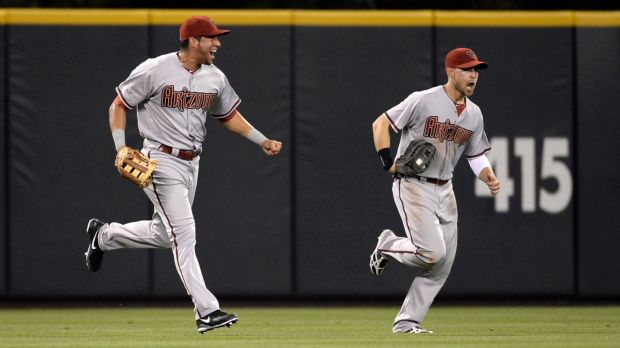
(425,179)
(187,155)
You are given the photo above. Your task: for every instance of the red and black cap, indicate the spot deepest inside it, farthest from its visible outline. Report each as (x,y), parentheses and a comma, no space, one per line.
(196,26)
(464,58)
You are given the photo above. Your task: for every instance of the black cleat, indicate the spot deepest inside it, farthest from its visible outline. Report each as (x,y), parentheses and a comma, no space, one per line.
(214,320)
(93,254)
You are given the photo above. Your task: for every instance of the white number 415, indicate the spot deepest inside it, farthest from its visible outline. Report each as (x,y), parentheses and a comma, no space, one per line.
(551,168)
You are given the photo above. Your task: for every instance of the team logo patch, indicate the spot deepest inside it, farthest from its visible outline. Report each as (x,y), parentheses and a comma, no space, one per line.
(185,99)
(446,131)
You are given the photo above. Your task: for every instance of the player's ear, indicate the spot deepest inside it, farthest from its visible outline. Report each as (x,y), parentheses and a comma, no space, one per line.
(194,41)
(450,73)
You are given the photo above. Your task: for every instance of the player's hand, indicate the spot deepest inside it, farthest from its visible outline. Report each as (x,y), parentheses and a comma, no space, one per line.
(120,148)
(271,147)
(493,184)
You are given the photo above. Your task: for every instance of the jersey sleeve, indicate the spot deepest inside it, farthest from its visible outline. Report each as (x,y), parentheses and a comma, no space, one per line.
(226,102)
(405,113)
(478,143)
(137,87)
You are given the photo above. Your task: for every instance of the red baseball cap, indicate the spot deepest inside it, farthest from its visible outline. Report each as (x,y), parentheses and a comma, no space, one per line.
(464,58)
(196,26)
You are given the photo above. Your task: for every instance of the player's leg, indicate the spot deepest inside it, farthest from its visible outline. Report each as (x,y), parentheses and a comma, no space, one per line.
(427,284)
(173,202)
(133,235)
(146,233)
(424,244)
(212,319)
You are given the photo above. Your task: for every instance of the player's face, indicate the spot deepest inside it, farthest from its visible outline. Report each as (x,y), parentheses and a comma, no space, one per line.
(464,80)
(207,46)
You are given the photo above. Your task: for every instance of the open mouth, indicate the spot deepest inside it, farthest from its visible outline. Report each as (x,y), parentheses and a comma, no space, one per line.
(212,54)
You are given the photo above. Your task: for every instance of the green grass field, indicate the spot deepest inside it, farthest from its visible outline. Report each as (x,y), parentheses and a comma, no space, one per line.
(297,327)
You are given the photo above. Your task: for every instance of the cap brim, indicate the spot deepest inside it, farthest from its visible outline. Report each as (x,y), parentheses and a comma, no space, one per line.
(220,32)
(475,64)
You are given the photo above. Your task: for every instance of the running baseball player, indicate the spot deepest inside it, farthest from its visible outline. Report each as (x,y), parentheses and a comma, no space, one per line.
(447,123)
(172,95)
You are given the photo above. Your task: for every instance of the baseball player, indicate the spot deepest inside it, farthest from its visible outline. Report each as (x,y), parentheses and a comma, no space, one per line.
(445,117)
(172,95)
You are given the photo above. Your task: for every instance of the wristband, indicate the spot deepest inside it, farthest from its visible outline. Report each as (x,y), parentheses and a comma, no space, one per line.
(256,136)
(119,138)
(478,164)
(386,158)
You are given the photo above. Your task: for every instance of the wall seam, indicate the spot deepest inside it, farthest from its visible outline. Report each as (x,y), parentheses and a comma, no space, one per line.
(434,51)
(574,149)
(7,156)
(293,163)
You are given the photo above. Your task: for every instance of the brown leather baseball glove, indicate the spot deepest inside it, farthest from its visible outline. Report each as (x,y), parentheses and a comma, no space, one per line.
(134,166)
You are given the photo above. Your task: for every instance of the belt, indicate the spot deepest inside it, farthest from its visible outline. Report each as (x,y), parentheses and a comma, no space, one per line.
(187,155)
(429,180)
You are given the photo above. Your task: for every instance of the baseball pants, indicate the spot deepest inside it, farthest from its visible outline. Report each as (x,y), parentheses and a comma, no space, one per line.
(429,215)
(172,227)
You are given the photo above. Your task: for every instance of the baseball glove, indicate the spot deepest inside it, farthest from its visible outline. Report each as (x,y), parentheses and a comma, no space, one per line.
(135,166)
(416,158)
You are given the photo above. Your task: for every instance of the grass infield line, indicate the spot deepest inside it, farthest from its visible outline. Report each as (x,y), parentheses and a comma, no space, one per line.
(341,327)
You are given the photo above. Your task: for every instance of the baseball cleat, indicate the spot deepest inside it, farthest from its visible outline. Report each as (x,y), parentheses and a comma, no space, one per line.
(93,254)
(418,330)
(214,320)
(377,260)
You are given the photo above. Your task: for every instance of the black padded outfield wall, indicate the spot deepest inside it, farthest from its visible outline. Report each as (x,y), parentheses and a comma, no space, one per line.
(303,224)
(4,257)
(61,172)
(598,54)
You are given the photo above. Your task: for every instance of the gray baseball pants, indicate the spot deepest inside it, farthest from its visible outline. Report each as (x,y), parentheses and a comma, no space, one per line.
(429,215)
(172,227)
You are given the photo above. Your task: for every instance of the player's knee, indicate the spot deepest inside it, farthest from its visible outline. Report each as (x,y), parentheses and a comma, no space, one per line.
(432,257)
(166,243)
(436,257)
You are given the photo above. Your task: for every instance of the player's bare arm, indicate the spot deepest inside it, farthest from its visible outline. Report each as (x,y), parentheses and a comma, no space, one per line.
(381,137)
(117,118)
(239,125)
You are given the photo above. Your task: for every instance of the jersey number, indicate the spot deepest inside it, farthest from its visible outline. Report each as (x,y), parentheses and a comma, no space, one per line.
(551,201)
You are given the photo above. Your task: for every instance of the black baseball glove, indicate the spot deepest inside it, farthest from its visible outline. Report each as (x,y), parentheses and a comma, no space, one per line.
(416,158)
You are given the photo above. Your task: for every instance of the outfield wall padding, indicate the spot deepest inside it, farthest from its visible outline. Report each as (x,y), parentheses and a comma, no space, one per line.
(301,225)
(4,246)
(598,54)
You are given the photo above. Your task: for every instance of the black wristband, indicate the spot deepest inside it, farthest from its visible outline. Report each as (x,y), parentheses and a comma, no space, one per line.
(386,158)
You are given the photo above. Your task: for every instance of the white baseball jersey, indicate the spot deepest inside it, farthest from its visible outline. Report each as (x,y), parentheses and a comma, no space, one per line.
(172,103)
(432,116)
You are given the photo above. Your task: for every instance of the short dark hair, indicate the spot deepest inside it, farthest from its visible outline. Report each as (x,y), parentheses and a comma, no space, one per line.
(185,43)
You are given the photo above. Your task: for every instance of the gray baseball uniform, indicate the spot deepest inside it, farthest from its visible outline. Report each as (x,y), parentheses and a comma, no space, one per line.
(172,105)
(427,205)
